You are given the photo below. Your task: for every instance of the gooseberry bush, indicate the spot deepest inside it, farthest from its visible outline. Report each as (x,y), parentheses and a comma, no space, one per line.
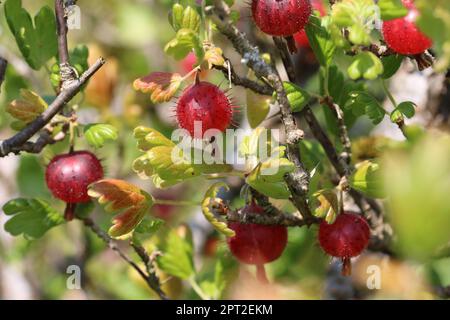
(287,145)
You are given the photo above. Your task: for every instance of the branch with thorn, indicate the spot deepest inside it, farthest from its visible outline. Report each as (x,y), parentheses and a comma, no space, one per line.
(149,276)
(69,88)
(297,181)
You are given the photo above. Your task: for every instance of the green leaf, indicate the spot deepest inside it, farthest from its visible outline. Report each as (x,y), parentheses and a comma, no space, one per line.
(30,177)
(176,16)
(148,138)
(391,9)
(183,43)
(258,107)
(97,133)
(320,39)
(177,256)
(184,18)
(37,42)
(146,229)
(361,103)
(267,185)
(312,154)
(391,64)
(366,65)
(407,108)
(191,19)
(298,98)
(79,58)
(327,205)
(214,287)
(367,179)
(208,201)
(358,17)
(28,108)
(30,217)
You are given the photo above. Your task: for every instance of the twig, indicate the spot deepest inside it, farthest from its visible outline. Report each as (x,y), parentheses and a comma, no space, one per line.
(298,180)
(112,245)
(286,58)
(153,280)
(282,219)
(45,138)
(3,66)
(245,82)
(346,155)
(7,146)
(382,232)
(61,28)
(68,74)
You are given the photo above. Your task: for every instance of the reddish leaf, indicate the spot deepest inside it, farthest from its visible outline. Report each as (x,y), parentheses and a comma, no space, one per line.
(162,86)
(121,196)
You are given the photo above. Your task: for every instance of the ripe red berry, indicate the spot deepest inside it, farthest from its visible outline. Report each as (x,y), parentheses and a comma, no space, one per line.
(281,17)
(402,34)
(347,237)
(203,103)
(255,243)
(300,37)
(69,175)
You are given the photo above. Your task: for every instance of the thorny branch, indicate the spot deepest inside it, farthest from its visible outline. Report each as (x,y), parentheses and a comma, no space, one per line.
(380,230)
(70,87)
(297,181)
(243,81)
(68,74)
(151,280)
(15,143)
(149,261)
(281,219)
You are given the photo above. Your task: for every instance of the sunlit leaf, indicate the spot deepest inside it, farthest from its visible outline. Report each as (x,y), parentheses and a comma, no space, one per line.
(207,202)
(327,205)
(36,41)
(96,134)
(124,198)
(28,108)
(367,179)
(320,39)
(162,86)
(177,256)
(363,103)
(391,9)
(146,229)
(365,65)
(148,138)
(298,98)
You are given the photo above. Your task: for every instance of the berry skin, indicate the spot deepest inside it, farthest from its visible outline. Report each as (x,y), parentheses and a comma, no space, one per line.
(254,243)
(347,237)
(300,37)
(402,34)
(281,17)
(69,175)
(206,104)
